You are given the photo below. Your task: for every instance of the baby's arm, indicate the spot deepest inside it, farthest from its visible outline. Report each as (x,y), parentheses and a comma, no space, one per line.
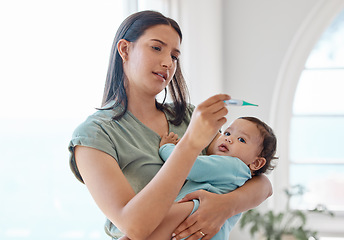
(219,170)
(169,138)
(213,169)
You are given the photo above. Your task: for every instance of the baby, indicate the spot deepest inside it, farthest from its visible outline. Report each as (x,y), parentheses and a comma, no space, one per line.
(247,147)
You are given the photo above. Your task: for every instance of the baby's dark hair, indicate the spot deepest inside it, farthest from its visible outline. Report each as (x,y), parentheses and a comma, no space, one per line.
(269,144)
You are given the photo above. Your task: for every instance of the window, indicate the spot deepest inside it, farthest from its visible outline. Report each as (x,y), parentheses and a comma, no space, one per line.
(54,57)
(162,6)
(317,124)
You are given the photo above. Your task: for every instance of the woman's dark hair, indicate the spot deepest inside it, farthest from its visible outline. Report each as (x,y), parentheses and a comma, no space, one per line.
(131,29)
(269,144)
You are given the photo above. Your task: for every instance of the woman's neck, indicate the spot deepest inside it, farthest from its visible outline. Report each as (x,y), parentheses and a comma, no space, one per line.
(147,113)
(141,106)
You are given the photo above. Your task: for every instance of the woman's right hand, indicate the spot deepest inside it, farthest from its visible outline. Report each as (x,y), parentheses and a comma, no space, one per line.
(206,120)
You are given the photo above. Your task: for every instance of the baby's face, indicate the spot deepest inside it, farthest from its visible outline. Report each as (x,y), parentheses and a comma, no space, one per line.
(241,139)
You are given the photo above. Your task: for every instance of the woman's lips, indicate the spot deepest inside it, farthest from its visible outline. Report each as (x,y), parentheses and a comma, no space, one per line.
(163,76)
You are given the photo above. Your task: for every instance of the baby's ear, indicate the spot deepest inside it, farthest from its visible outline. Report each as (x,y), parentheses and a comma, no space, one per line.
(257,164)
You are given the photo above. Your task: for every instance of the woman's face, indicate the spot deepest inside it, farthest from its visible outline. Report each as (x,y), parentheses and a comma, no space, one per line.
(152,60)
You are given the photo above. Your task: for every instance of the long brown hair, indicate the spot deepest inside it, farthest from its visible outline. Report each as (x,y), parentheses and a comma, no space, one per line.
(131,29)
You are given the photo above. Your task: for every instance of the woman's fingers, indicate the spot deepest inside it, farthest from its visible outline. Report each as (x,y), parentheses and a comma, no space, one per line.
(215,99)
(207,119)
(193,230)
(208,219)
(213,108)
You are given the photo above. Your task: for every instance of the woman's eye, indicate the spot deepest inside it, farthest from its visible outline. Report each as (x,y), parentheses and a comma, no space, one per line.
(174,58)
(241,140)
(157,48)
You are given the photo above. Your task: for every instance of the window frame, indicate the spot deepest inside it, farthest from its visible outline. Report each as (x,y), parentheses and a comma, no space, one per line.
(281,113)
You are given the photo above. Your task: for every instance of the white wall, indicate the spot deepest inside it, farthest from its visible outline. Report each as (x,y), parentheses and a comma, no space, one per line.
(258,35)
(242,48)
(238,47)
(202,48)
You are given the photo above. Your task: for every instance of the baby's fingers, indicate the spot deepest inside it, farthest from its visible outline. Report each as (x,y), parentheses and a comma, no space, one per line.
(173,135)
(169,138)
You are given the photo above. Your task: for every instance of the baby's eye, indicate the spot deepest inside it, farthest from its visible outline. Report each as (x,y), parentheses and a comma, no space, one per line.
(227,133)
(241,140)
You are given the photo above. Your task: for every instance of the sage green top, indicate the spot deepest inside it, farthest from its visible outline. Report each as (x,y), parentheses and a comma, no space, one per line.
(132,144)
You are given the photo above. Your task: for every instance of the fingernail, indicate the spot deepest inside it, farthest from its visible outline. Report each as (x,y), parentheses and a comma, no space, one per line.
(174,238)
(173,234)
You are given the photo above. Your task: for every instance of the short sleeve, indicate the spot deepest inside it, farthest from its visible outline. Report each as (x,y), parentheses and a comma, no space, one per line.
(91,133)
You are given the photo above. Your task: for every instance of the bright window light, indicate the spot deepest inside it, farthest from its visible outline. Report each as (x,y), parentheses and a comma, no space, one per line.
(53,58)
(317,125)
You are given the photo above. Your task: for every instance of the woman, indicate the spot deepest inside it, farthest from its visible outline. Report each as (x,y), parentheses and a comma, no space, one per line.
(115,151)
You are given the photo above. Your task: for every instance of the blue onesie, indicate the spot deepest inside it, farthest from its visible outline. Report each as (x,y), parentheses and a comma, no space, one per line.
(214,173)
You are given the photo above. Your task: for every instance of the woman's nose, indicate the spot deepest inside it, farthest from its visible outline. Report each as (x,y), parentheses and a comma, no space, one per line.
(167,62)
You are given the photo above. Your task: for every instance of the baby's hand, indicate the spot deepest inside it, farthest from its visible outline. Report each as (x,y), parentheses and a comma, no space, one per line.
(169,138)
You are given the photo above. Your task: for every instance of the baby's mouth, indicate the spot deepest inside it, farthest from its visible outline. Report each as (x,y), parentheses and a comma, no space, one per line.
(223,148)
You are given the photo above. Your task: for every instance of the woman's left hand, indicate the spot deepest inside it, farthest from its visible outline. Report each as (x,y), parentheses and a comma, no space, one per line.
(207,220)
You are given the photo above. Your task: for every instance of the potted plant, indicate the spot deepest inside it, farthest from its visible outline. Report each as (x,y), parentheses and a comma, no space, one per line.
(289,224)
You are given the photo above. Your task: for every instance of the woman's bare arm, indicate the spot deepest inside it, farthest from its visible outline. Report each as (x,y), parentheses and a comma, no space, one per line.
(178,213)
(139,215)
(136,215)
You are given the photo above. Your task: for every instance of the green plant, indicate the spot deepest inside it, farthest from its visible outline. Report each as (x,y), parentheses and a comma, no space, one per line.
(289,222)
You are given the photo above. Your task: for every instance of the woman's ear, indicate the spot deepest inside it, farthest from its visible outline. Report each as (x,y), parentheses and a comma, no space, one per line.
(123,47)
(257,164)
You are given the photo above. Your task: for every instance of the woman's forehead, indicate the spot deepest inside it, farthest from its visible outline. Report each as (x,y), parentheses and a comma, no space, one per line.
(164,33)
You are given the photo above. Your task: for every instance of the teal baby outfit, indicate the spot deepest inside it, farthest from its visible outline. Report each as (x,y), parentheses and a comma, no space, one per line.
(214,173)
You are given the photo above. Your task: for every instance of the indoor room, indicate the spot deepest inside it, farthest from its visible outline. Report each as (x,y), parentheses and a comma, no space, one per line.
(285,56)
